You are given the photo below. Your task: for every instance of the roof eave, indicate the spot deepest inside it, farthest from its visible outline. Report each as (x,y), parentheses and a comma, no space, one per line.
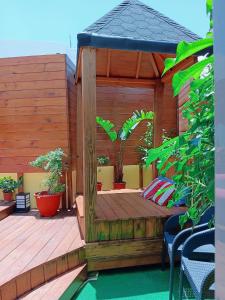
(120,43)
(86,39)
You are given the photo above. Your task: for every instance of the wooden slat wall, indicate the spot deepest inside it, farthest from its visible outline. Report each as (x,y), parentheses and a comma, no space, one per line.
(72,105)
(182,98)
(33,109)
(116,104)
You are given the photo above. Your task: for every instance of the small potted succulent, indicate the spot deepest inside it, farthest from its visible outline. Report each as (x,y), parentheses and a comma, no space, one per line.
(8,186)
(48,201)
(102,161)
(121,137)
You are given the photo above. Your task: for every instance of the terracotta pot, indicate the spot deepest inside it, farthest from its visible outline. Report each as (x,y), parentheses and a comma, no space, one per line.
(8,196)
(119,185)
(47,204)
(99,186)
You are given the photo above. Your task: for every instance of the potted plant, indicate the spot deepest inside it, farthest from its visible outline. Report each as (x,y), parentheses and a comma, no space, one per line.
(48,201)
(8,186)
(102,161)
(121,137)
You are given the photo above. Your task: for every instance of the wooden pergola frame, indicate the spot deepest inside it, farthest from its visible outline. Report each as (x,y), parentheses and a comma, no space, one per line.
(86,100)
(87,80)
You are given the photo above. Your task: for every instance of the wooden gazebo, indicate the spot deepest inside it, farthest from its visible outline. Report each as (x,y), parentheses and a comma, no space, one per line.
(119,66)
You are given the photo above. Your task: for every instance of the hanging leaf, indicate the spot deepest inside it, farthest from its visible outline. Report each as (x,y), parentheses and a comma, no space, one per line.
(185,50)
(190,73)
(107,126)
(129,125)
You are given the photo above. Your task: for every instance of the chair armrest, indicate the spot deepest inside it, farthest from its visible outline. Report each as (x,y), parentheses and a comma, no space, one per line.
(198,239)
(172,223)
(208,281)
(182,236)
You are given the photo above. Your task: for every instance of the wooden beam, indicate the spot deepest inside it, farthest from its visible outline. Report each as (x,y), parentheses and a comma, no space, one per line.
(108,62)
(89,138)
(126,81)
(79,156)
(78,67)
(138,64)
(183,65)
(158,103)
(159,61)
(155,68)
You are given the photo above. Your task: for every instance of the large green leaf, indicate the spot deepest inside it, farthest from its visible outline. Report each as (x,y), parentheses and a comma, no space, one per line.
(209,6)
(130,124)
(190,73)
(107,126)
(185,50)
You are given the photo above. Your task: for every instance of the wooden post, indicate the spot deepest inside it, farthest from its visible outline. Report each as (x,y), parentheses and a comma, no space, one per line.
(158,106)
(89,139)
(79,164)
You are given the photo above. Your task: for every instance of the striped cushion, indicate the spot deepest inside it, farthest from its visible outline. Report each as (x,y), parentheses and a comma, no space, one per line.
(167,195)
(152,188)
(157,184)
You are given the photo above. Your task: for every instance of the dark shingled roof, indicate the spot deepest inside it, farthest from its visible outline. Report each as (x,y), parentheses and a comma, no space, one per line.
(133,25)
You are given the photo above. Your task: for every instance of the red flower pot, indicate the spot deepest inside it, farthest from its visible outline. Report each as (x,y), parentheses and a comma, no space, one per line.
(8,196)
(119,185)
(99,186)
(47,204)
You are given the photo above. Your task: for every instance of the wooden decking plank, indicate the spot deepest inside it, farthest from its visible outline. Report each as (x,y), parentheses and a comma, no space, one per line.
(99,211)
(129,204)
(120,209)
(55,288)
(64,245)
(139,211)
(14,263)
(43,254)
(6,208)
(107,210)
(10,223)
(16,238)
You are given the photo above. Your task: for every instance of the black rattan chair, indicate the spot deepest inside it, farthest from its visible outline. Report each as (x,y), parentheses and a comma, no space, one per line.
(174,238)
(199,272)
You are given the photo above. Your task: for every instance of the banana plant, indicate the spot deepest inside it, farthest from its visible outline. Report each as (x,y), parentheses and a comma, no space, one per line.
(122,136)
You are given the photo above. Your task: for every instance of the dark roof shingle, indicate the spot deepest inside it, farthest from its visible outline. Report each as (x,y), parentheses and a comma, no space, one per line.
(134,21)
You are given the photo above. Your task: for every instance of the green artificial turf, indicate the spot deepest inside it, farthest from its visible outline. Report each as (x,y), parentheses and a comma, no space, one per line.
(128,284)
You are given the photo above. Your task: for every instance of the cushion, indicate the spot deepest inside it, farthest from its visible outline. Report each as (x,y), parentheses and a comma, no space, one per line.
(164,197)
(152,188)
(160,183)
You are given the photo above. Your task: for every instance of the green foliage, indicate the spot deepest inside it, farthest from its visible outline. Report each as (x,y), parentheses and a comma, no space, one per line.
(53,163)
(107,126)
(130,124)
(8,184)
(185,50)
(124,133)
(103,160)
(192,153)
(147,142)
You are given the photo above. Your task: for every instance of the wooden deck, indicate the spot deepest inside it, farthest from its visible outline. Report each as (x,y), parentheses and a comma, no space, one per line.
(6,208)
(124,214)
(128,230)
(35,250)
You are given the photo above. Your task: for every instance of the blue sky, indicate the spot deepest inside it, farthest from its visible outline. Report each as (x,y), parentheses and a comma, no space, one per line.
(56,20)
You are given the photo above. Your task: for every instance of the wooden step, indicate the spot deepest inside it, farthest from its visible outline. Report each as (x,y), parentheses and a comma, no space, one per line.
(63,287)
(36,250)
(6,208)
